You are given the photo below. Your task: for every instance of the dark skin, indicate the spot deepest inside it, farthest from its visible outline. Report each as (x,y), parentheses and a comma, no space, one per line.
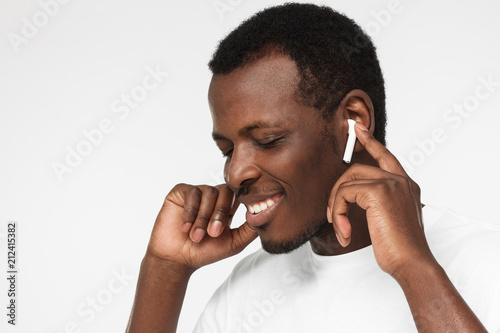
(275,146)
(256,170)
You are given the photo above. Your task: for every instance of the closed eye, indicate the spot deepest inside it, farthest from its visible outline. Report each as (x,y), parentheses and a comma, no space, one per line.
(269,144)
(263,145)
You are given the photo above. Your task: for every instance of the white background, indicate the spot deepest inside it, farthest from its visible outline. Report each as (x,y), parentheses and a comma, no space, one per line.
(77,233)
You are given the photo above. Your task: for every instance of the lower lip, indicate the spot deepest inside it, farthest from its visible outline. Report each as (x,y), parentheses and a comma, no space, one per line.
(257,220)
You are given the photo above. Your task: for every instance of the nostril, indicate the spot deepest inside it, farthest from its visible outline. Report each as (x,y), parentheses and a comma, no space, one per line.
(241,170)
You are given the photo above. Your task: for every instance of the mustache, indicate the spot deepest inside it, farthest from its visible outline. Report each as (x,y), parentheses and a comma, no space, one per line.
(254,190)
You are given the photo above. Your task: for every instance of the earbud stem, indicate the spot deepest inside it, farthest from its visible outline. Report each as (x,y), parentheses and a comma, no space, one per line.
(351,141)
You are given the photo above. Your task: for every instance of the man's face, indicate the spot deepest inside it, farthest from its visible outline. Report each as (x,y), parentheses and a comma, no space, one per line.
(279,161)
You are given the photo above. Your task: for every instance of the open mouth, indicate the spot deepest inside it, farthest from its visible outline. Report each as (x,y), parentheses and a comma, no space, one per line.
(262,205)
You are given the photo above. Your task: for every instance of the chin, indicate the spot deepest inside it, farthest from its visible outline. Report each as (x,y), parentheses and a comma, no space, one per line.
(287,245)
(282,247)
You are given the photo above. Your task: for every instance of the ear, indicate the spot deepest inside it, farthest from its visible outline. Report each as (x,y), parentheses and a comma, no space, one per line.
(358,106)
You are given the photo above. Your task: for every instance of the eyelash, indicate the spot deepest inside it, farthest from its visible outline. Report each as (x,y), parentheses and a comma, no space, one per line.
(269,144)
(265,145)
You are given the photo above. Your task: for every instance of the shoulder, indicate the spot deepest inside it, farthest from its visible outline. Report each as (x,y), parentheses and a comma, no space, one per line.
(445,229)
(459,242)
(467,248)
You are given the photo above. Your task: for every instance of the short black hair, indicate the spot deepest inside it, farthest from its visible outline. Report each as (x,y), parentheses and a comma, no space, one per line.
(332,53)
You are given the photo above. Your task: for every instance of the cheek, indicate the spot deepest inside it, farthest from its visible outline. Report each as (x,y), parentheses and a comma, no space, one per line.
(318,169)
(316,158)
(310,169)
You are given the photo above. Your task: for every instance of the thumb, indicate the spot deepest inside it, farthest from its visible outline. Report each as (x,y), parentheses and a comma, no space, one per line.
(242,236)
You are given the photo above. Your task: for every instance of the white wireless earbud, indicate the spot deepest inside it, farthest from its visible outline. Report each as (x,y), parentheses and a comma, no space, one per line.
(351,140)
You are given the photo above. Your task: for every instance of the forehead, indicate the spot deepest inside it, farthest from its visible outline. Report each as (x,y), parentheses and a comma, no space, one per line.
(265,90)
(271,75)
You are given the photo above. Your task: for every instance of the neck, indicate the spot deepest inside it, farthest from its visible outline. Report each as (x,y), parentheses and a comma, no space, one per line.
(325,242)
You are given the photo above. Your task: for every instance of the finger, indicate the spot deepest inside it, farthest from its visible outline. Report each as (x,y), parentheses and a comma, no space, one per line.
(223,211)
(242,236)
(343,230)
(341,223)
(192,199)
(356,172)
(206,208)
(385,159)
(353,192)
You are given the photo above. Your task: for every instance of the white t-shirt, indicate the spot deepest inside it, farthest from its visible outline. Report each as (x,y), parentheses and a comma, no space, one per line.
(305,292)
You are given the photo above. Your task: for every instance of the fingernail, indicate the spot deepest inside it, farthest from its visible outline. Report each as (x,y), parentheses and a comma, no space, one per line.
(197,235)
(186,226)
(215,228)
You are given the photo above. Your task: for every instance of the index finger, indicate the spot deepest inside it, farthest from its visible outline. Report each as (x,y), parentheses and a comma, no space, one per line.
(223,212)
(234,201)
(385,159)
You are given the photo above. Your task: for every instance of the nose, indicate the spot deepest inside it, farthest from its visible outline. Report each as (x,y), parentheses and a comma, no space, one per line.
(241,169)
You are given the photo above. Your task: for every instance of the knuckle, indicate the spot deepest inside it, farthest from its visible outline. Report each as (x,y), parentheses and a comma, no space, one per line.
(341,187)
(355,166)
(189,214)
(397,182)
(354,170)
(195,192)
(222,188)
(211,192)
(166,199)
(191,210)
(208,191)
(202,218)
(403,183)
(174,191)
(222,211)
(179,186)
(384,187)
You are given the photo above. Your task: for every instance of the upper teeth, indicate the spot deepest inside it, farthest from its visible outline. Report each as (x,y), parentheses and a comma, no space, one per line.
(258,207)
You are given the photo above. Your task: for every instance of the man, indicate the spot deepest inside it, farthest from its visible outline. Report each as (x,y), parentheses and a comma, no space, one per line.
(353,253)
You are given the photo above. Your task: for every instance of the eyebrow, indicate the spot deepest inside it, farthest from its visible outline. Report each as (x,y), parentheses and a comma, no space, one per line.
(257,124)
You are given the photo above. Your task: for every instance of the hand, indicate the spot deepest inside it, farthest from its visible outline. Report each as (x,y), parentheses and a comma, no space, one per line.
(392,203)
(180,232)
